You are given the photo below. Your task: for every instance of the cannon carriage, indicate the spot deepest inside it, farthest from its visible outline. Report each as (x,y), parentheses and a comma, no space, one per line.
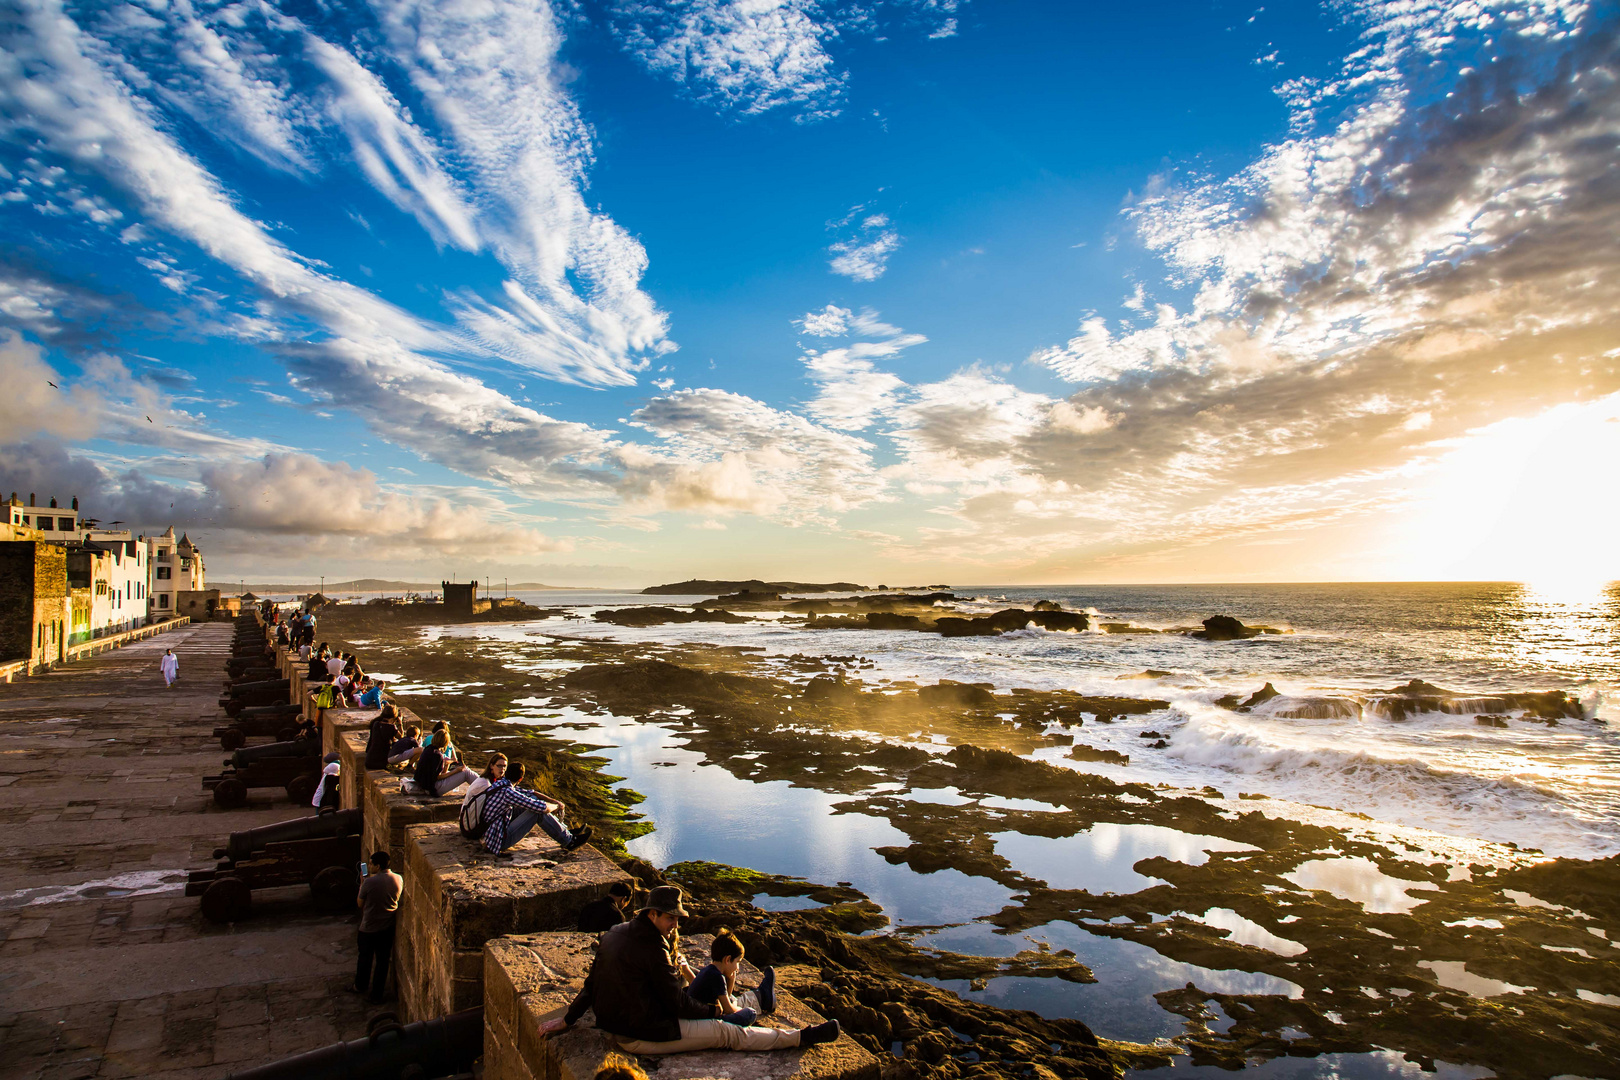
(247,694)
(294,765)
(320,850)
(277,721)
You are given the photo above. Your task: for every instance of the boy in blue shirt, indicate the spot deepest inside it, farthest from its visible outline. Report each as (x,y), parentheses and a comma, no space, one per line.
(717,982)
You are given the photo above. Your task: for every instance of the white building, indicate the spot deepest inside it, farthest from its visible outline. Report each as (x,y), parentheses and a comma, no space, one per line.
(173,567)
(119,580)
(59,525)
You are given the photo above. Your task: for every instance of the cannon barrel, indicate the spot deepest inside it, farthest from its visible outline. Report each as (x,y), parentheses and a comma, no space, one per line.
(242,845)
(445,1045)
(264,686)
(253,675)
(269,712)
(294,748)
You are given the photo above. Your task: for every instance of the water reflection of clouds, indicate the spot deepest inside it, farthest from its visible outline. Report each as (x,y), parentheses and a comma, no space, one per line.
(1361,881)
(1101,859)
(1121,1002)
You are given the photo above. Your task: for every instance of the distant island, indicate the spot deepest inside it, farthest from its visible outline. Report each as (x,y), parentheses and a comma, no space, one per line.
(698,586)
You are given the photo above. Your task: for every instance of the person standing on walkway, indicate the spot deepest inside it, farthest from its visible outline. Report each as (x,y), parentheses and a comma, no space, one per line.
(378,902)
(170,667)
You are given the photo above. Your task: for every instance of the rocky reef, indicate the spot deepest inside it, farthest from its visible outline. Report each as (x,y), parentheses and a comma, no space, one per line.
(1481,956)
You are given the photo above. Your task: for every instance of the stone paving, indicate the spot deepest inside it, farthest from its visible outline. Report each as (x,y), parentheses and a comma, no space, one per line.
(106,970)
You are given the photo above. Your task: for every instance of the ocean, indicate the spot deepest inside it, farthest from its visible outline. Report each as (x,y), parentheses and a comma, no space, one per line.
(1551,788)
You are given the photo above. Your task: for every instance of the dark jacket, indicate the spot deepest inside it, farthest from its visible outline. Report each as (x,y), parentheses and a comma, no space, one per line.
(383,735)
(428,768)
(634,987)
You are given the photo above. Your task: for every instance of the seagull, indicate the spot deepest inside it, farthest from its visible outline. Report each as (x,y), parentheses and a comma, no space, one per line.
(52,385)
(148,419)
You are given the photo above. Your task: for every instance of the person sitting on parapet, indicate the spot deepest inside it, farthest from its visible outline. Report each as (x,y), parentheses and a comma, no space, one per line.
(510,813)
(317,669)
(334,666)
(606,912)
(371,695)
(436,770)
(407,748)
(383,733)
(716,984)
(282,637)
(619,1067)
(638,995)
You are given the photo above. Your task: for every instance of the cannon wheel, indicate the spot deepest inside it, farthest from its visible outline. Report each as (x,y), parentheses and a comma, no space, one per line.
(287,734)
(230,792)
(227,900)
(301,789)
(334,888)
(234,707)
(233,739)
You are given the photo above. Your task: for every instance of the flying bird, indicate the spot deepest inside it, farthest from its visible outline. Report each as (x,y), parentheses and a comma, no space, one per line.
(52,385)
(148,419)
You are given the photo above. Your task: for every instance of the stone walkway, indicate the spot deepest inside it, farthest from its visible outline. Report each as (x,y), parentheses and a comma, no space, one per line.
(105,968)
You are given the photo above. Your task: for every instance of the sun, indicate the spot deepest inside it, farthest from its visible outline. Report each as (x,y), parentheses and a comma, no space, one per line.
(1534,500)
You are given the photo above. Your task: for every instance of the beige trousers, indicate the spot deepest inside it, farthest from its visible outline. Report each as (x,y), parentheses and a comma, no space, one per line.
(711,1034)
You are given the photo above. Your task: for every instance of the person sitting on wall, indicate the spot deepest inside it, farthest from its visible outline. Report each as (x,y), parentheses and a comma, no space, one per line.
(371,696)
(406,749)
(317,669)
(384,732)
(639,997)
(282,637)
(510,814)
(437,772)
(606,912)
(716,984)
(334,666)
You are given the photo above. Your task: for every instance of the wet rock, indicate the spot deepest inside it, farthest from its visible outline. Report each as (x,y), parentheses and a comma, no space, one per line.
(947,694)
(1259,697)
(1150,673)
(1418,697)
(1323,708)
(705,586)
(1226,628)
(1082,752)
(657,616)
(1149,735)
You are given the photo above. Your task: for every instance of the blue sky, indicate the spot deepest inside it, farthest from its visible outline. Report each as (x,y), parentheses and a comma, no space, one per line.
(920,289)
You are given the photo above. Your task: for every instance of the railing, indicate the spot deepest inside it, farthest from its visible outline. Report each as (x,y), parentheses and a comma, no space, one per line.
(12,668)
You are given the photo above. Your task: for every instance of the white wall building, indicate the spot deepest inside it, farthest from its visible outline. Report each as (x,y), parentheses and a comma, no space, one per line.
(57,524)
(119,588)
(173,567)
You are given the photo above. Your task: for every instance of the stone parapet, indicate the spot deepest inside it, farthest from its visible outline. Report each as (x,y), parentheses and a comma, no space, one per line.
(457,897)
(335,723)
(388,810)
(534,977)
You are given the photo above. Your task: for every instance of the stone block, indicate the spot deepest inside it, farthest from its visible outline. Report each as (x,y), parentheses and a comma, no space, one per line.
(337,722)
(351,749)
(531,978)
(457,897)
(388,810)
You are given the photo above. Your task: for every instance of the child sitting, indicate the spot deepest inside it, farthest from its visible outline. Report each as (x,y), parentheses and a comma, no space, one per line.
(405,750)
(717,982)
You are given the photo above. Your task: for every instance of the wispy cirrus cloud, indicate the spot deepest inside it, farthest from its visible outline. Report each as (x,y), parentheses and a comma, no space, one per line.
(863,254)
(750,57)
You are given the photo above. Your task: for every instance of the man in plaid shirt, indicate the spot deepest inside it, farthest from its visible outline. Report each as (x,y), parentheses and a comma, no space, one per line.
(510,813)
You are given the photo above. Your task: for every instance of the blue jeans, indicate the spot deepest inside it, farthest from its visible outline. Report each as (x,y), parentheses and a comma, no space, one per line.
(524,821)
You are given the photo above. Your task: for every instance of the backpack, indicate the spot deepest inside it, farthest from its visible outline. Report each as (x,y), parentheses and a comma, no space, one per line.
(327,698)
(472,821)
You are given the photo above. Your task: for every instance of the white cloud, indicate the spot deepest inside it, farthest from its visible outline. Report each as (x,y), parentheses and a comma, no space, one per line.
(397,157)
(864,256)
(724,453)
(853,393)
(748,56)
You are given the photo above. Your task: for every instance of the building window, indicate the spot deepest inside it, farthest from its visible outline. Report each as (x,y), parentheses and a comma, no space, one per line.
(163,601)
(64,524)
(163,573)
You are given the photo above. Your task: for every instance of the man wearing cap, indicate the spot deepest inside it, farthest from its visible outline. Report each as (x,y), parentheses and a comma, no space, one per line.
(638,994)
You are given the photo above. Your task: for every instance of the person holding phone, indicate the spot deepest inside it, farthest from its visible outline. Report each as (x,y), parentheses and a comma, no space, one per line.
(378,901)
